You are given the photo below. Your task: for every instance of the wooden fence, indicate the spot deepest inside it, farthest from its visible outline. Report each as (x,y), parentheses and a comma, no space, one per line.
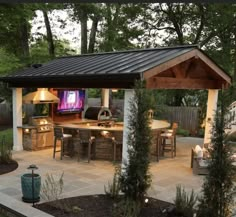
(6,113)
(186,117)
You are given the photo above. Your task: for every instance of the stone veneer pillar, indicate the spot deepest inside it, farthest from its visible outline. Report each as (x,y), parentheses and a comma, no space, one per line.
(17,118)
(210,113)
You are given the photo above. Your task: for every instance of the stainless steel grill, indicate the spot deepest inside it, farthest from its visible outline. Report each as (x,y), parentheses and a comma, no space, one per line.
(38,134)
(42,123)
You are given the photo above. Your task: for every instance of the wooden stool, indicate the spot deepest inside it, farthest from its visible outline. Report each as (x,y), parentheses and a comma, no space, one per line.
(171,136)
(86,139)
(117,140)
(59,135)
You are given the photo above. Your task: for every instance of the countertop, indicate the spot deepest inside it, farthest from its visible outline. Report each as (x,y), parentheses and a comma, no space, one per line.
(156,124)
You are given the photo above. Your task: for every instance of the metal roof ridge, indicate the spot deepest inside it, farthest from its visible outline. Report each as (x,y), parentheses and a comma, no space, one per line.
(133,50)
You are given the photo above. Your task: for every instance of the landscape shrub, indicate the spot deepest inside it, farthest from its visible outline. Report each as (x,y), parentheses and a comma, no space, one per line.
(5,150)
(184,203)
(182,132)
(217,189)
(113,189)
(135,178)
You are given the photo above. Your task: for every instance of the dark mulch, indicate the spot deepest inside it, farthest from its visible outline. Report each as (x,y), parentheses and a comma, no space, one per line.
(99,206)
(8,167)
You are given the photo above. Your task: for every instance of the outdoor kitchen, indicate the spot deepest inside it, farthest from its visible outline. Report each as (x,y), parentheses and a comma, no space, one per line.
(67,110)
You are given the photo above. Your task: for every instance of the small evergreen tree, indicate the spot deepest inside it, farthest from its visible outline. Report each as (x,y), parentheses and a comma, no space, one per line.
(135,178)
(216,200)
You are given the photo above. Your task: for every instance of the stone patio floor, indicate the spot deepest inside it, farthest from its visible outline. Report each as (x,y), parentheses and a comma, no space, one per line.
(81,178)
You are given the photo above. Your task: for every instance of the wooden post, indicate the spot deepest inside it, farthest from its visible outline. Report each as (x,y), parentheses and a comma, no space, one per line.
(17,118)
(211,109)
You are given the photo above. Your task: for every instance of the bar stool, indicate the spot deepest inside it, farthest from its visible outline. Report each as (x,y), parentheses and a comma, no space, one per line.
(169,135)
(158,144)
(86,139)
(59,135)
(117,140)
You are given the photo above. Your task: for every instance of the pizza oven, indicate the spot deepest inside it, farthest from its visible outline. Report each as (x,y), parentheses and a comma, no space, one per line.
(98,113)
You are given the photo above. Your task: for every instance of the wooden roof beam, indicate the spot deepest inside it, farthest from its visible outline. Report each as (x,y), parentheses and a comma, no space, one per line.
(182,83)
(213,66)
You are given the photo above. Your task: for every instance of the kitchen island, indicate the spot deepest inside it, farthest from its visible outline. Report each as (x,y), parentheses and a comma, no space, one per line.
(104,133)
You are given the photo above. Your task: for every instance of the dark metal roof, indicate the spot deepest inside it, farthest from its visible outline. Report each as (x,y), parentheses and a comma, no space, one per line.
(107,70)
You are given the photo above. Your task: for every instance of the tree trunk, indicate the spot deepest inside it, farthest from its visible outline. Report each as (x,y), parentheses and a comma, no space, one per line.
(51,47)
(234,76)
(84,27)
(93,35)
(23,35)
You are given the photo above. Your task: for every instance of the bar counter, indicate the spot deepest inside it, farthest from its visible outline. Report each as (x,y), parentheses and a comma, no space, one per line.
(103,148)
(118,126)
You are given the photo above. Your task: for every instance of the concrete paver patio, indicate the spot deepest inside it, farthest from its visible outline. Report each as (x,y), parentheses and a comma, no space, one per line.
(82,178)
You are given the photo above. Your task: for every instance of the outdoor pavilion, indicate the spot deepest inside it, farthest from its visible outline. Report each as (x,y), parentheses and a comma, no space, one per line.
(180,67)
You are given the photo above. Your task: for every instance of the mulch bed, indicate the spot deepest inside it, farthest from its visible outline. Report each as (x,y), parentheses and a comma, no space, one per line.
(8,167)
(100,206)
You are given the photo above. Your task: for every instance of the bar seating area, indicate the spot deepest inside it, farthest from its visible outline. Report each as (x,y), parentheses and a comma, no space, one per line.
(64,139)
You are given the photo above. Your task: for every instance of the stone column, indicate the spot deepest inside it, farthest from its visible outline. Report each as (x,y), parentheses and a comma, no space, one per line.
(17,118)
(210,113)
(105,98)
(128,96)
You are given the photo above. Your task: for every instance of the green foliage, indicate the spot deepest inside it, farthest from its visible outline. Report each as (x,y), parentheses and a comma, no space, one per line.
(5,150)
(117,27)
(51,189)
(135,178)
(184,203)
(8,134)
(39,50)
(216,200)
(127,208)
(113,189)
(8,62)
(94,93)
(182,132)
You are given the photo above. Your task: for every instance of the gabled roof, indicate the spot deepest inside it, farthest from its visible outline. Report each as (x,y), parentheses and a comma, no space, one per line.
(109,70)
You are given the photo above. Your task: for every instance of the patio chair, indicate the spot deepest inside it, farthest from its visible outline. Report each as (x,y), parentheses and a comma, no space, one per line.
(117,140)
(169,135)
(62,137)
(87,139)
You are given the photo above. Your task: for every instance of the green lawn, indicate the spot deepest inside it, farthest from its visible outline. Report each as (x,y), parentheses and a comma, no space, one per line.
(8,135)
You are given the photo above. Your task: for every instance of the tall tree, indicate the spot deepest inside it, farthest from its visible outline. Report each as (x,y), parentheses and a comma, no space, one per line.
(82,14)
(135,177)
(15,28)
(51,47)
(119,26)
(216,200)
